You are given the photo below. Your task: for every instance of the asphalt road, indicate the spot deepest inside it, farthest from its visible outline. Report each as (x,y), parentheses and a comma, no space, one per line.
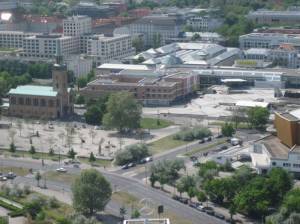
(130,185)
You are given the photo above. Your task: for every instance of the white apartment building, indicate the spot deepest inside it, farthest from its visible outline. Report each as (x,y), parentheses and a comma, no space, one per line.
(49,46)
(106,49)
(79,65)
(13,39)
(204,23)
(77,25)
(267,40)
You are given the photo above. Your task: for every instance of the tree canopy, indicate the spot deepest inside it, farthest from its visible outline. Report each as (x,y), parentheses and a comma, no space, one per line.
(123,112)
(91,192)
(258,117)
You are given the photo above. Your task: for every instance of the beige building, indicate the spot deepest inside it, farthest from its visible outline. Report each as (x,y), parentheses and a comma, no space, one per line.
(43,101)
(105,49)
(77,25)
(13,39)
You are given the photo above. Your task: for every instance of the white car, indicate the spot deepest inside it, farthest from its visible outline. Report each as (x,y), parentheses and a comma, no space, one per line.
(61,170)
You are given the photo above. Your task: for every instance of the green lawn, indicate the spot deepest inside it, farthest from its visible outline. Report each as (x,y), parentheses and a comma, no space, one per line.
(37,155)
(165,144)
(152,123)
(60,177)
(207,147)
(98,162)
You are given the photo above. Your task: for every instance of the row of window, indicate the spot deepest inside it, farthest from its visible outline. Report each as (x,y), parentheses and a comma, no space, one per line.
(33,102)
(295,165)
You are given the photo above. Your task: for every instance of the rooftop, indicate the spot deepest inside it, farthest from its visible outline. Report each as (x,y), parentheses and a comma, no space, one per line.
(123,66)
(243,103)
(275,147)
(34,91)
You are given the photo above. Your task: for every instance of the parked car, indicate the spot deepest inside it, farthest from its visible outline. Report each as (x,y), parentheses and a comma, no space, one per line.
(201,141)
(219,216)
(146,160)
(76,165)
(127,166)
(200,208)
(210,212)
(10,175)
(208,139)
(219,136)
(3,178)
(61,170)
(176,197)
(194,204)
(184,200)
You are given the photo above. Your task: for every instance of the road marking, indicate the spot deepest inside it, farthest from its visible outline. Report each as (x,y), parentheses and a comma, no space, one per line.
(130,174)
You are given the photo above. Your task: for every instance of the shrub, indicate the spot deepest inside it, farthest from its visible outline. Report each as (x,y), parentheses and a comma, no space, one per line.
(133,153)
(190,134)
(53,203)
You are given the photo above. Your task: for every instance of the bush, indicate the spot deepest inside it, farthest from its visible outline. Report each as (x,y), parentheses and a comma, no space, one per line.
(32,149)
(133,153)
(53,203)
(190,134)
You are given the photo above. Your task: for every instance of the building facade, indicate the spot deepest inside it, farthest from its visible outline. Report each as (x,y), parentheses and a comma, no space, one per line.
(157,28)
(47,102)
(77,25)
(79,65)
(49,46)
(275,17)
(204,23)
(13,39)
(104,49)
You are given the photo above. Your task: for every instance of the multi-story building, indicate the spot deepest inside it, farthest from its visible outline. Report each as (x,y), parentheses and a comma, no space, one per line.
(204,23)
(105,49)
(149,91)
(282,150)
(275,17)
(268,40)
(286,56)
(43,101)
(79,65)
(13,39)
(49,46)
(77,25)
(157,28)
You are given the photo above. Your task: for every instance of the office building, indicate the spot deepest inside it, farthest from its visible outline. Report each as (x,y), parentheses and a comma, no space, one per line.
(148,89)
(204,23)
(282,150)
(275,17)
(104,49)
(77,25)
(93,10)
(49,46)
(47,102)
(79,65)
(157,28)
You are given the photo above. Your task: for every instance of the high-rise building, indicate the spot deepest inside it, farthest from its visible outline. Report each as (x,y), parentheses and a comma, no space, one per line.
(77,25)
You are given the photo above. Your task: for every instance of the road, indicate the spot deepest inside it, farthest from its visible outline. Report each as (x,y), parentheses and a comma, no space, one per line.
(127,184)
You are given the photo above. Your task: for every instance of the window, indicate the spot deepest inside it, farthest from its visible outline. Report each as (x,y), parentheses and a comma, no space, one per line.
(21,101)
(35,102)
(273,163)
(28,101)
(13,100)
(286,165)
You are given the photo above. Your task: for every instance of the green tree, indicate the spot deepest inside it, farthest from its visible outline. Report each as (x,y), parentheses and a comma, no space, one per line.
(91,192)
(34,207)
(82,81)
(180,187)
(258,117)
(191,192)
(92,157)
(195,37)
(135,214)
(12,147)
(123,112)
(71,153)
(132,153)
(201,197)
(38,177)
(228,129)
(32,150)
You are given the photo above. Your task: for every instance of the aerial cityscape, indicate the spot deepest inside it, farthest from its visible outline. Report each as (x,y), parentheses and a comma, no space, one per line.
(149,111)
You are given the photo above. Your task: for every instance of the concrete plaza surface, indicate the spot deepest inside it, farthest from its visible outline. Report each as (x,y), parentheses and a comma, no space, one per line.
(214,105)
(83,138)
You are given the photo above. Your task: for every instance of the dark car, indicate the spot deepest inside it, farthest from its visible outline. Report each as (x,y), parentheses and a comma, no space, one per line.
(208,139)
(10,175)
(210,212)
(219,136)
(184,200)
(201,141)
(176,197)
(219,216)
(194,204)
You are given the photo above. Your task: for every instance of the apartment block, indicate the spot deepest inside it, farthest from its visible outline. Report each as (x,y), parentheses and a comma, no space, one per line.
(49,46)
(77,25)
(13,39)
(104,49)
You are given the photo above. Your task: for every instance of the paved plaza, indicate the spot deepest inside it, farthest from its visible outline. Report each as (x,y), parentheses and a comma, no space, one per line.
(83,138)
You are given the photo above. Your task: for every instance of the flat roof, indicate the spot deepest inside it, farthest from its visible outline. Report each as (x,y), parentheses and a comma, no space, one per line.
(34,91)
(243,103)
(296,113)
(123,66)
(232,80)
(275,147)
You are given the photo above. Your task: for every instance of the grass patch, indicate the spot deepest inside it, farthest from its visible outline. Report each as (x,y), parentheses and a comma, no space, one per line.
(37,155)
(152,123)
(98,162)
(60,177)
(128,200)
(165,144)
(20,171)
(194,151)
(241,125)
